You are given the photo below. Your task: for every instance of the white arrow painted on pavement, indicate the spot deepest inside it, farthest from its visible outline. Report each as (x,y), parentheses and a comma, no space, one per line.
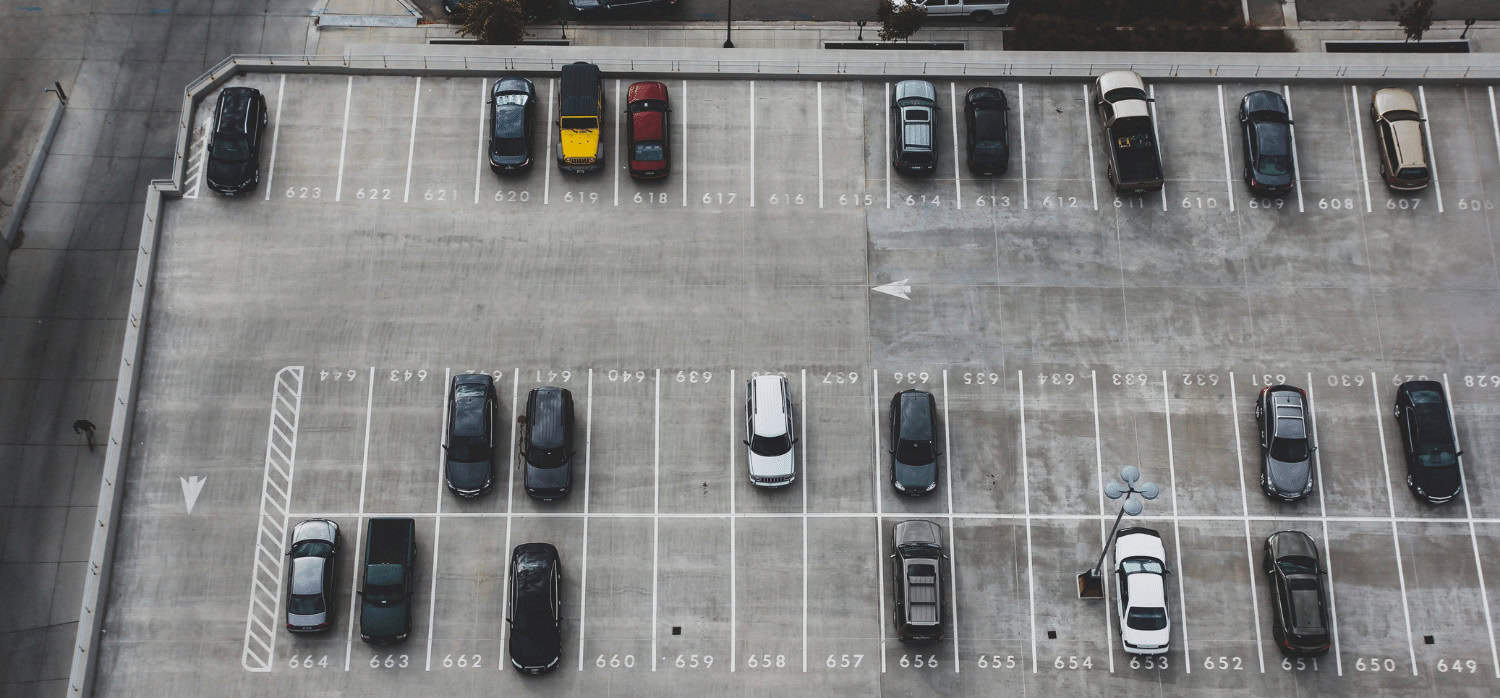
(191,488)
(900,289)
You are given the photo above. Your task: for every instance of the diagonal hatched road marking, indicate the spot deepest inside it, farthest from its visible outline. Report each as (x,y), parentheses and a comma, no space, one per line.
(259,652)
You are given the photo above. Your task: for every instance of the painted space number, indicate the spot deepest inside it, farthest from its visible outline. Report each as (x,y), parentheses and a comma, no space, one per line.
(299,661)
(1148,662)
(981,378)
(615,661)
(626,376)
(918,661)
(304,192)
(336,375)
(1299,664)
(407,375)
(841,378)
(1457,666)
(389,661)
(995,661)
(1220,663)
(694,661)
(1482,381)
(373,194)
(462,661)
(843,661)
(1375,664)
(695,377)
(766,661)
(1072,662)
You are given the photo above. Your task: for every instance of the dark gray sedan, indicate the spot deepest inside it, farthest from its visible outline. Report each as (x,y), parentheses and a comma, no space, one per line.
(309,595)
(1286,469)
(1266,132)
(914,449)
(512,124)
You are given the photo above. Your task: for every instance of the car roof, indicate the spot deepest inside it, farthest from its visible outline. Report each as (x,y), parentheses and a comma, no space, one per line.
(1392,99)
(580,89)
(646,90)
(769,418)
(1409,151)
(547,416)
(915,88)
(1130,108)
(917,134)
(307,575)
(468,413)
(647,125)
(1116,79)
(1147,590)
(916,415)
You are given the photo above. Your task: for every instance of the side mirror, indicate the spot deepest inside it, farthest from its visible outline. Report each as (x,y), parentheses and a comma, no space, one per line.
(1458,453)
(745,441)
(891,449)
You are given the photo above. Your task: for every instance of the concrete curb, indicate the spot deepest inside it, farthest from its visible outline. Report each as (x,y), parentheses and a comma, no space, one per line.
(28,183)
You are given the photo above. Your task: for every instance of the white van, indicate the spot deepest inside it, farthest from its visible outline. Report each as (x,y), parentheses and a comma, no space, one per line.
(770,435)
(980,10)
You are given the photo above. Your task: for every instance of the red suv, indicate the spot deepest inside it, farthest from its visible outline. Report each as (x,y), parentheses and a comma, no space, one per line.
(648,127)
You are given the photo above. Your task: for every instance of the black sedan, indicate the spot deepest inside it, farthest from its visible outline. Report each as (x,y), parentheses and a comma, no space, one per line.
(1266,131)
(913,442)
(469,462)
(1286,470)
(987,116)
(535,608)
(309,592)
(512,124)
(234,150)
(1432,468)
(1299,599)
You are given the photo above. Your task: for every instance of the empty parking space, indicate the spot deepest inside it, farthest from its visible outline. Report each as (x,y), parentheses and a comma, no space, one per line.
(335,412)
(445,145)
(1061,461)
(1220,613)
(1062,144)
(406,436)
(616,606)
(1475,398)
(694,602)
(983,442)
(1203,428)
(718,145)
(768,600)
(622,459)
(697,441)
(1067,634)
(472,566)
(994,619)
(844,634)
(309,136)
(1448,618)
(838,442)
(372,161)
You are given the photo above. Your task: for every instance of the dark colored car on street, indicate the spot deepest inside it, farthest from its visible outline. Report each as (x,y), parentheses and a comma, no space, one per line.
(512,124)
(469,462)
(987,116)
(1428,442)
(916,572)
(1286,469)
(1266,133)
(1299,598)
(535,615)
(914,452)
(234,149)
(547,442)
(389,574)
(309,595)
(609,7)
(648,130)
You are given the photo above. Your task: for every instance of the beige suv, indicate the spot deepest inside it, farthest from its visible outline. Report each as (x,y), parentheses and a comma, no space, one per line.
(1398,132)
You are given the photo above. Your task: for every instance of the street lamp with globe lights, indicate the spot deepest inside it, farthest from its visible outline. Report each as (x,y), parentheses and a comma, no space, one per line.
(1091,581)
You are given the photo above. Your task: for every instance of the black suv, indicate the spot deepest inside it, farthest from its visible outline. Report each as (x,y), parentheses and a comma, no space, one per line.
(1286,471)
(469,465)
(914,449)
(987,116)
(913,133)
(535,608)
(1427,438)
(512,124)
(546,442)
(234,150)
(916,568)
(1299,600)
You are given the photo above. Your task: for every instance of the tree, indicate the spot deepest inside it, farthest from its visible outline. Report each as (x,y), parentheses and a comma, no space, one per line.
(899,22)
(494,21)
(1415,17)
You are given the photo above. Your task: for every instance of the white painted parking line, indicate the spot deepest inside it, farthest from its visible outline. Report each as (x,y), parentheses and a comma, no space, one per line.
(958,195)
(1026,494)
(1437,184)
(1359,134)
(1286,93)
(1333,605)
(1463,484)
(1088,134)
(1239,460)
(484,103)
(684,139)
(359,529)
(437,526)
(885,145)
(619,164)
(655,512)
(276,134)
(879,522)
(1109,631)
(1228,169)
(820,180)
(752,144)
(1495,127)
(733,649)
(1021,130)
(1166,401)
(510,508)
(803,435)
(338,191)
(952,532)
(583,581)
(1395,536)
(1162,155)
(271,523)
(547,166)
(411,143)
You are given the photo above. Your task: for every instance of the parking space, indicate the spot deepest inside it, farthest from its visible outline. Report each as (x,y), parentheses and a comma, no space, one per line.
(837,443)
(983,420)
(448,142)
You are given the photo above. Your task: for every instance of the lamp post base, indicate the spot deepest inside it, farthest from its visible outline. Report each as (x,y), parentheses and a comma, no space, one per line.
(1090,584)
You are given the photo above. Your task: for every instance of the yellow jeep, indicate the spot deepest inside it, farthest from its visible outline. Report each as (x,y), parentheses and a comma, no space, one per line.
(581,96)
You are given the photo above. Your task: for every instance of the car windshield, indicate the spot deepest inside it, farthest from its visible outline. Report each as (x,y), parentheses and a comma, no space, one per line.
(1437,459)
(1123,93)
(468,449)
(1147,618)
(1297,565)
(917,115)
(305,604)
(914,452)
(1412,173)
(519,99)
(647,105)
(1402,115)
(1132,565)
(231,148)
(650,150)
(579,123)
(546,457)
(1289,450)
(770,445)
(312,548)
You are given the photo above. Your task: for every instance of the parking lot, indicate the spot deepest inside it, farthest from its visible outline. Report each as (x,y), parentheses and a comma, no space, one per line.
(1064,331)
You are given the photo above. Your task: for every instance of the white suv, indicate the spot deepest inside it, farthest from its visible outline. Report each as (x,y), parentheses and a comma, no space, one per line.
(768,424)
(1140,573)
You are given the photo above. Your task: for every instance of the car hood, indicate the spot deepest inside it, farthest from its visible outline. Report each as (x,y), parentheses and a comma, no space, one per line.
(767,466)
(548,478)
(916,477)
(225,173)
(307,620)
(1439,482)
(1289,478)
(468,476)
(580,144)
(535,648)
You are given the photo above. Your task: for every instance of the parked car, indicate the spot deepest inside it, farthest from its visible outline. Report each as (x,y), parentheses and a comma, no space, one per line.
(1266,133)
(469,447)
(609,7)
(771,435)
(1140,575)
(987,117)
(648,130)
(1432,467)
(512,124)
(389,581)
(309,590)
(580,96)
(234,149)
(914,451)
(1299,598)
(1134,162)
(1286,470)
(1398,137)
(535,615)
(913,133)
(916,568)
(547,442)
(978,10)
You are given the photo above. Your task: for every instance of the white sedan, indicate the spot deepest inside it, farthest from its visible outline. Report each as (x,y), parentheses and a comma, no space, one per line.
(1140,574)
